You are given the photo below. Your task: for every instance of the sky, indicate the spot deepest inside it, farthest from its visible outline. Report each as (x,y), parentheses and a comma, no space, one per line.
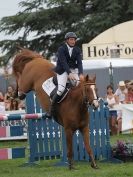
(8,8)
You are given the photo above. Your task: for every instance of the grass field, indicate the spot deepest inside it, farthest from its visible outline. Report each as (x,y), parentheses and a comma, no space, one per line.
(11,168)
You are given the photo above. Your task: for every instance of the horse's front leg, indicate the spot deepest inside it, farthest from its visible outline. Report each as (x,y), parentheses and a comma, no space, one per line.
(69,136)
(85,133)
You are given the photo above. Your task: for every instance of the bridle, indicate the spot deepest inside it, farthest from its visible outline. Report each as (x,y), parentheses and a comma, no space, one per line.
(85,95)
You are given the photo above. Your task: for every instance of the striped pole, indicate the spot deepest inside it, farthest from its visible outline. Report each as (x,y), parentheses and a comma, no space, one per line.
(21,116)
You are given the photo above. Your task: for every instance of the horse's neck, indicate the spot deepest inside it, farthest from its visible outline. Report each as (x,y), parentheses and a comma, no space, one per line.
(76,93)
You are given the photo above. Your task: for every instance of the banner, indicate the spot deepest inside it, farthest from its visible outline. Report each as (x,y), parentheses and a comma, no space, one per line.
(127,117)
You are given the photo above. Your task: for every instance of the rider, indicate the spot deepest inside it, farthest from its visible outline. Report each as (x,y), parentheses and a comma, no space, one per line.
(68,66)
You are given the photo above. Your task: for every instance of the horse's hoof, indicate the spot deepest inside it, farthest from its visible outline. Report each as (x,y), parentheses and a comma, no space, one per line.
(94,166)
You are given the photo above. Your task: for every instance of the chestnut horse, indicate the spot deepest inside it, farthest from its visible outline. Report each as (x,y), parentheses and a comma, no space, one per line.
(31,70)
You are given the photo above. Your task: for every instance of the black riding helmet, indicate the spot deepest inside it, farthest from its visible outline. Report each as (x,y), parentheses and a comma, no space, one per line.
(70,35)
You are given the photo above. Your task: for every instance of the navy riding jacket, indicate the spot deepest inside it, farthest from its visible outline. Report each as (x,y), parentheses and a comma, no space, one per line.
(65,62)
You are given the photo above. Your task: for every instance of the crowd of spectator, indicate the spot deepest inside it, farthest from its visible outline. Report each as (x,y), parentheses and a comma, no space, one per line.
(9,102)
(122,95)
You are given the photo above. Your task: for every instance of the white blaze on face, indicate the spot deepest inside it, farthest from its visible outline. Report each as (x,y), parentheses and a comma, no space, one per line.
(95,101)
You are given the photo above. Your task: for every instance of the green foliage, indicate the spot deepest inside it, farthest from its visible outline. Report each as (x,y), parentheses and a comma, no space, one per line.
(47,168)
(48,21)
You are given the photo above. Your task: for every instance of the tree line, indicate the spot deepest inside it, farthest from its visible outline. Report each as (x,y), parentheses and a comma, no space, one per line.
(44,23)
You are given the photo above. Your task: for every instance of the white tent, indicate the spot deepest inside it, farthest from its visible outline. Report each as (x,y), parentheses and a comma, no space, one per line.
(96,64)
(105,63)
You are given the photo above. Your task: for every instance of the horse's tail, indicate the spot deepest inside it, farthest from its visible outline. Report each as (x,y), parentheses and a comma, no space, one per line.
(19,47)
(17,94)
(22,58)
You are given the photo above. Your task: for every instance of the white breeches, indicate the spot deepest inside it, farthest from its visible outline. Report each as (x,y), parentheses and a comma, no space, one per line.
(62,80)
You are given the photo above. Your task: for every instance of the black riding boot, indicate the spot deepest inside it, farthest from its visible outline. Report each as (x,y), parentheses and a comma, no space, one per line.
(55,99)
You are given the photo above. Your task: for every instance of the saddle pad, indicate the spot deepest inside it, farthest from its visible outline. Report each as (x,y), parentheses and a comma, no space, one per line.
(48,86)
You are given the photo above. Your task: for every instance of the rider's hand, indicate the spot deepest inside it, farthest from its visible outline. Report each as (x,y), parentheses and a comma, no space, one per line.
(81,77)
(71,76)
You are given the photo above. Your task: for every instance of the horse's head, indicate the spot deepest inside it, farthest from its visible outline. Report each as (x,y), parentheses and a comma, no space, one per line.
(89,92)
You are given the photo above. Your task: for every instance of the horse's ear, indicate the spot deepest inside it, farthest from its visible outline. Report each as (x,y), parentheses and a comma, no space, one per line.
(87,77)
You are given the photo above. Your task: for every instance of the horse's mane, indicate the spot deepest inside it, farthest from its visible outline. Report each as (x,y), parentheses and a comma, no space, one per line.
(24,56)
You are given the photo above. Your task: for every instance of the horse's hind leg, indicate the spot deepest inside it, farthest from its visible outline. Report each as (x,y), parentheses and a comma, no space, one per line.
(69,135)
(85,133)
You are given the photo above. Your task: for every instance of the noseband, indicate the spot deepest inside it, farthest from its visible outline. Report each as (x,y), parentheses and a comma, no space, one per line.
(85,95)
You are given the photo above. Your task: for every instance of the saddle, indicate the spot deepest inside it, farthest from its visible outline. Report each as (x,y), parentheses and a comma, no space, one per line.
(51,84)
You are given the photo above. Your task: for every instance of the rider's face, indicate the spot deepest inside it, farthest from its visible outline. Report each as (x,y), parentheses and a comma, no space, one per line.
(71,41)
